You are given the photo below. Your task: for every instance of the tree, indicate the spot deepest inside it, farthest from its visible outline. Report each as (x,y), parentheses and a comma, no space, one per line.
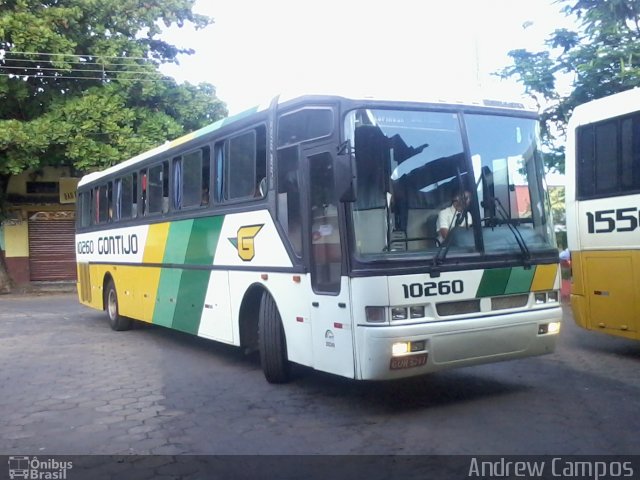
(602,57)
(80,83)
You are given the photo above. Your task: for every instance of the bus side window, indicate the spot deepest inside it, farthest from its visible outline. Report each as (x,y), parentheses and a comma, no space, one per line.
(102,204)
(218,175)
(143,192)
(94,206)
(206,177)
(110,198)
(85,209)
(192,179)
(289,201)
(165,186)
(242,155)
(124,195)
(176,180)
(117,199)
(134,195)
(261,162)
(158,188)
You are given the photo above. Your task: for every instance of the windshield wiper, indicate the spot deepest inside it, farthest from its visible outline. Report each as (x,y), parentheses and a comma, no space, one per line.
(526,254)
(443,249)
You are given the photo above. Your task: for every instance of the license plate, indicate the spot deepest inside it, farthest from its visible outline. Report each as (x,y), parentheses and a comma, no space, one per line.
(412,361)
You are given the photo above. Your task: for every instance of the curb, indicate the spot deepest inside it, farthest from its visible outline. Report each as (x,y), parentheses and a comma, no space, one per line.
(42,288)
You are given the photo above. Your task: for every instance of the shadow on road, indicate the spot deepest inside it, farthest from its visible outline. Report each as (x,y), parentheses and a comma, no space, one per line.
(433,390)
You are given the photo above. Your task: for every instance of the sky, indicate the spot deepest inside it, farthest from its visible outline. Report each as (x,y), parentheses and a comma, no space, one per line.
(258,49)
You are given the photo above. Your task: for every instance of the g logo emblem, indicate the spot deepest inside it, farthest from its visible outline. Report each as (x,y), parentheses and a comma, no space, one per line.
(244,242)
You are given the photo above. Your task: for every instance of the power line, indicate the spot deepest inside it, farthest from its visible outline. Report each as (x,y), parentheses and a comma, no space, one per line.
(16,52)
(79,70)
(104,79)
(28,60)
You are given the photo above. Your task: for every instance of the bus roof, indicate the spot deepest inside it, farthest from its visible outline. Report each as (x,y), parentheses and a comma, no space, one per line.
(171,144)
(471,101)
(606,107)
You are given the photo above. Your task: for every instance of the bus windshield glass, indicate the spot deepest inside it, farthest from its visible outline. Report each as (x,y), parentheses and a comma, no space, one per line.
(422,187)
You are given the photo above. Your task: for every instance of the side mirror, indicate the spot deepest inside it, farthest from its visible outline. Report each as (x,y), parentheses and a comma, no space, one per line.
(346,177)
(488,193)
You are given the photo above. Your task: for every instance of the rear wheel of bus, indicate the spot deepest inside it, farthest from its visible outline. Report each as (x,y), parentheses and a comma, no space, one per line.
(116,321)
(273,344)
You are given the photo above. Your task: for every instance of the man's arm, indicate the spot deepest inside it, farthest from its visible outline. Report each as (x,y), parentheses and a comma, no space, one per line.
(444,222)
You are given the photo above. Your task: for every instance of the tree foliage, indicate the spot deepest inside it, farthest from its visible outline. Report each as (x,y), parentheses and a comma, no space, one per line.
(80,83)
(601,56)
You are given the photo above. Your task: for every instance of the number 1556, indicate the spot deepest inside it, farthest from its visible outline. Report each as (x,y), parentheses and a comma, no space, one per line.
(619,220)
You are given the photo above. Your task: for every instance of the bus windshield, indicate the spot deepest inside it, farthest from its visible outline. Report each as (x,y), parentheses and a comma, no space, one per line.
(422,186)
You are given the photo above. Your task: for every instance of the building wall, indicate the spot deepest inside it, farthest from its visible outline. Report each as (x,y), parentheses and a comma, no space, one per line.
(16,240)
(14,231)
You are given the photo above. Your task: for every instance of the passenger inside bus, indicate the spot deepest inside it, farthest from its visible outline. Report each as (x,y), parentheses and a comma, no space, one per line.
(454,215)
(205,196)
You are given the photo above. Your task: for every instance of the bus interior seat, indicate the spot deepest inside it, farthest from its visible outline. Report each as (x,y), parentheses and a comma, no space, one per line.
(398,241)
(432,228)
(417,229)
(422,226)
(371,225)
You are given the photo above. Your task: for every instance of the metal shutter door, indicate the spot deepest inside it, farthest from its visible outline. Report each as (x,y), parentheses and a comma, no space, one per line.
(52,249)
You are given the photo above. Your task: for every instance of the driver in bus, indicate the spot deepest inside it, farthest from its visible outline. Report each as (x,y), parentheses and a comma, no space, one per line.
(454,214)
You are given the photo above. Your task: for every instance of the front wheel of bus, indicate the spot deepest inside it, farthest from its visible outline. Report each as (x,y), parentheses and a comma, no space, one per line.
(273,344)
(117,321)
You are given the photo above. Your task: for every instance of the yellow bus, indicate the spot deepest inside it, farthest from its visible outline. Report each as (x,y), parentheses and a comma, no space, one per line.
(602,201)
(307,229)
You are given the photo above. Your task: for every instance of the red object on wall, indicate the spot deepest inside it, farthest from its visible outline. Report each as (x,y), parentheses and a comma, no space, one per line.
(18,269)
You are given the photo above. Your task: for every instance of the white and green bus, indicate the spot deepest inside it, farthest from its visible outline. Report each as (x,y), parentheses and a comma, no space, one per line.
(307,229)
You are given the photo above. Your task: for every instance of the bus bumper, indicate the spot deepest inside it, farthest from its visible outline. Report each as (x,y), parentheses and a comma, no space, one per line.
(454,343)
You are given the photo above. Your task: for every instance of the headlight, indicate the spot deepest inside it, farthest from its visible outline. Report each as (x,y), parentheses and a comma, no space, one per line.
(540,297)
(550,328)
(402,348)
(398,313)
(554,327)
(399,348)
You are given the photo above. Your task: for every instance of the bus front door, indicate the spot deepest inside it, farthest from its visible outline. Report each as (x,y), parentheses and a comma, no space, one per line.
(331,324)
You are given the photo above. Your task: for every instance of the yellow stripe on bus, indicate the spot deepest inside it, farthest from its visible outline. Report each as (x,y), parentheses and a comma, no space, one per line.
(545,277)
(148,278)
(156,242)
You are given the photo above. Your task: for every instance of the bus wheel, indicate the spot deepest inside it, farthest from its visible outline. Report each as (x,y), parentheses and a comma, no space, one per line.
(117,321)
(273,345)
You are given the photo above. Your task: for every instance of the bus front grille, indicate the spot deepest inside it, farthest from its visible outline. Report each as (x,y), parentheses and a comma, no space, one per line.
(509,301)
(446,309)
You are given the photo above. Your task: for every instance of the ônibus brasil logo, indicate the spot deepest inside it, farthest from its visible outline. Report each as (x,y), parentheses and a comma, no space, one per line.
(35,469)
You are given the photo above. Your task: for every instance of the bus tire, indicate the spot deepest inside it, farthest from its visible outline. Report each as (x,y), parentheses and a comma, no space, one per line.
(272,341)
(116,321)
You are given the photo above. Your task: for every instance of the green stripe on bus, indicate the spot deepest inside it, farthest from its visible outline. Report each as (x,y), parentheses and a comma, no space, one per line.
(205,233)
(166,296)
(170,278)
(203,241)
(494,282)
(193,288)
(520,280)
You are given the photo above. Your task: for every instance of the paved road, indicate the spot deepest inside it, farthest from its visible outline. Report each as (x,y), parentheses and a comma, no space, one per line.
(72,386)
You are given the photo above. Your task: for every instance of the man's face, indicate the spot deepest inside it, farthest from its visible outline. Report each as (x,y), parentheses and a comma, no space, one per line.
(462,201)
